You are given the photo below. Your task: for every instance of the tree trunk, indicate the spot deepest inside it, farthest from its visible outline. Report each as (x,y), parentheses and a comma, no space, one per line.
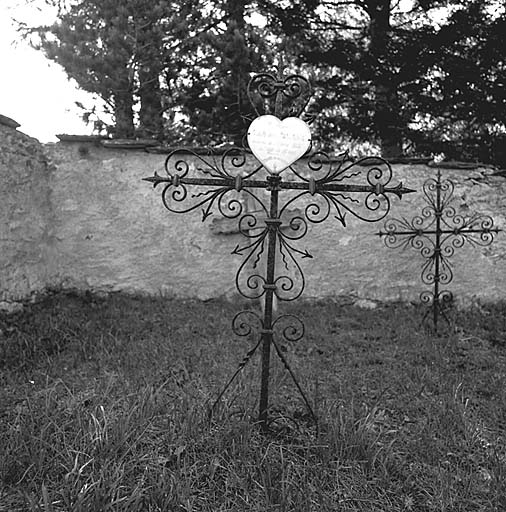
(149,57)
(151,112)
(149,47)
(386,119)
(123,112)
(238,56)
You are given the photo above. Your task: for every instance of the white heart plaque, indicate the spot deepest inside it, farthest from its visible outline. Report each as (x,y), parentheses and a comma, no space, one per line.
(278,144)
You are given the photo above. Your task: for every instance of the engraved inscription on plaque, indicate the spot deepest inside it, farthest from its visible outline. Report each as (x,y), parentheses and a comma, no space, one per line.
(278,143)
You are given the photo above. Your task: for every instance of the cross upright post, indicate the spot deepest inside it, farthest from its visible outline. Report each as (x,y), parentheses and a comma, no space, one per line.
(277,140)
(272,222)
(437,232)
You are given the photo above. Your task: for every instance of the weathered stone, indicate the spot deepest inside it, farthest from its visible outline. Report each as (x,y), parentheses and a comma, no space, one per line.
(365,304)
(26,226)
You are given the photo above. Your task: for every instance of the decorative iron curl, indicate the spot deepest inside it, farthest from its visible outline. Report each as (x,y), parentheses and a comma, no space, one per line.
(377,175)
(427,298)
(371,208)
(177,166)
(223,177)
(319,167)
(444,299)
(246,323)
(314,212)
(479,230)
(234,162)
(333,184)
(290,288)
(249,226)
(438,193)
(424,244)
(226,176)
(437,305)
(180,168)
(290,283)
(177,199)
(289,328)
(437,269)
(281,96)
(297,228)
(319,212)
(232,207)
(426,220)
(451,219)
(437,233)
(451,242)
(402,233)
(251,285)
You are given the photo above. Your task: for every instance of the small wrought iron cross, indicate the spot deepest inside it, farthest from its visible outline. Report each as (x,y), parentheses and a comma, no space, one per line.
(437,232)
(321,187)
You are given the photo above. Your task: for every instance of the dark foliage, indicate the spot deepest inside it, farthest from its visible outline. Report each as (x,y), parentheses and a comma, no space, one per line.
(415,78)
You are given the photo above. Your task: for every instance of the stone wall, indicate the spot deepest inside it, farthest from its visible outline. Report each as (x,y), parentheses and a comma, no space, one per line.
(77,214)
(27,239)
(114,234)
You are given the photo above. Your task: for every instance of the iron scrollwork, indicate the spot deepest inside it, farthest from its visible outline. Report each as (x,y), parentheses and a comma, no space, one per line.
(320,186)
(437,233)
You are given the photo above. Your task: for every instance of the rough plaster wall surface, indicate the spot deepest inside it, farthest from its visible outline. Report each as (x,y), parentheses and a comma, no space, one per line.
(82,217)
(115,234)
(26,227)
(354,261)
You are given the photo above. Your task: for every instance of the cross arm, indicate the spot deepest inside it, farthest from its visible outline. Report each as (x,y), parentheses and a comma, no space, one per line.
(312,186)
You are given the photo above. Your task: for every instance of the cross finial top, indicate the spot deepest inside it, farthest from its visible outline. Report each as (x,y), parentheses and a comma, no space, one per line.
(279,94)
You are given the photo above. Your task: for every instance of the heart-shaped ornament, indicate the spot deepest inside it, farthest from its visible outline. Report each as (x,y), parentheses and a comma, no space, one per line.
(278,143)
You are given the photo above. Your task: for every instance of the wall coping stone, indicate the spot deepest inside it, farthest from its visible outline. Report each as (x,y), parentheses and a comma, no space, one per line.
(454,164)
(154,146)
(7,121)
(64,137)
(129,143)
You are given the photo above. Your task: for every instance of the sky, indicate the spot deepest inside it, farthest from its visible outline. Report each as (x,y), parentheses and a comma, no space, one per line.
(34,91)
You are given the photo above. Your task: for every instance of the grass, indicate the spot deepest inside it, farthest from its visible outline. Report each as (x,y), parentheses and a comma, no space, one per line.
(104,402)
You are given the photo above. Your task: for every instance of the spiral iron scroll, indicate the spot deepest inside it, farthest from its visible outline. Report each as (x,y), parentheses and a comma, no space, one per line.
(316,188)
(325,187)
(280,96)
(286,331)
(437,233)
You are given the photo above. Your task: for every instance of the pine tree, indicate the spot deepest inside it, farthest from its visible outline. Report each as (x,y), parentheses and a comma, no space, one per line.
(216,103)
(373,59)
(463,100)
(89,42)
(121,52)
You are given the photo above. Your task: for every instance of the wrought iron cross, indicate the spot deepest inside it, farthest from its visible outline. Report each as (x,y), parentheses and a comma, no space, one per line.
(437,232)
(319,185)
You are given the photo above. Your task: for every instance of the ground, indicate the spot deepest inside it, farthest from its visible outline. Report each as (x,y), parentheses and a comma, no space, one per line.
(104,405)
